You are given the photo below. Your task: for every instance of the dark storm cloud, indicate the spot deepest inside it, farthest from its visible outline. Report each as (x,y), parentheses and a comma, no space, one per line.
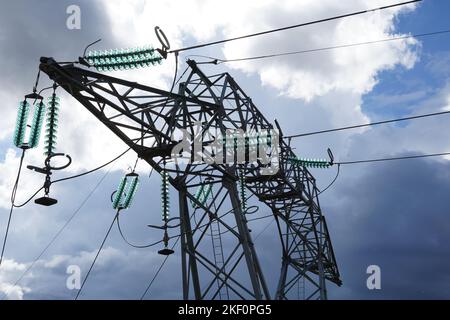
(31,29)
(395,215)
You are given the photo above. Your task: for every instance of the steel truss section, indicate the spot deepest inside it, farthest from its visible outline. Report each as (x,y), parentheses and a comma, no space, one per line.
(150,121)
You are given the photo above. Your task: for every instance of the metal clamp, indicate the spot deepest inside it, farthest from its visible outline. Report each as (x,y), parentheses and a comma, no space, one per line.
(47,161)
(166,225)
(330,154)
(165,45)
(46,200)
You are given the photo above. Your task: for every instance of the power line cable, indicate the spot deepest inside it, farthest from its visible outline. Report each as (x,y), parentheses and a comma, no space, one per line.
(263,230)
(158,271)
(98,253)
(131,244)
(93,170)
(368,124)
(333,181)
(394,158)
(13,197)
(29,199)
(220,61)
(184,72)
(259,218)
(136,162)
(293,26)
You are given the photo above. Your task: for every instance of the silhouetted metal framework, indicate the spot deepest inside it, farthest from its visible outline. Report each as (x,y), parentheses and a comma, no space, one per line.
(149,120)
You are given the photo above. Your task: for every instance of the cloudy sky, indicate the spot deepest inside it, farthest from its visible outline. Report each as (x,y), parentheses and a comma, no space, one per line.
(392,214)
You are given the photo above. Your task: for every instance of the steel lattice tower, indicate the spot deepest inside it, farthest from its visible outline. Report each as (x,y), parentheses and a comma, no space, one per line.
(147,119)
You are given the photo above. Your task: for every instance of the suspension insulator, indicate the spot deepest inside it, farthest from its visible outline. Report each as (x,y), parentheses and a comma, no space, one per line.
(21,123)
(206,193)
(131,191)
(36,126)
(202,194)
(126,191)
(119,193)
(124,59)
(51,125)
(247,139)
(197,195)
(242,190)
(310,163)
(165,200)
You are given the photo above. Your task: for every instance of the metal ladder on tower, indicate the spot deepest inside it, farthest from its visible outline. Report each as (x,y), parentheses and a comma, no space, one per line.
(302,259)
(216,238)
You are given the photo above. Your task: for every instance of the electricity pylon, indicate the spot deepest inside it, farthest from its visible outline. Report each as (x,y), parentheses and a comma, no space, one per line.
(149,120)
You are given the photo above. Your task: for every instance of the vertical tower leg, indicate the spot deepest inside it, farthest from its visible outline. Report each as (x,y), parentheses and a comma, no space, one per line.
(280,295)
(257,279)
(323,285)
(189,263)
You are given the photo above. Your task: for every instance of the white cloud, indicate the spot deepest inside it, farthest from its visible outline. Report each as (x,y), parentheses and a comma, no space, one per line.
(310,75)
(48,277)
(9,272)
(303,76)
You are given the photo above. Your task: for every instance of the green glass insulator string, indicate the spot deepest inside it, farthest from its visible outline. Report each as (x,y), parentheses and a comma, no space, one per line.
(203,193)
(119,193)
(36,126)
(51,128)
(124,59)
(310,163)
(197,195)
(165,200)
(206,193)
(21,123)
(131,191)
(126,191)
(242,190)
